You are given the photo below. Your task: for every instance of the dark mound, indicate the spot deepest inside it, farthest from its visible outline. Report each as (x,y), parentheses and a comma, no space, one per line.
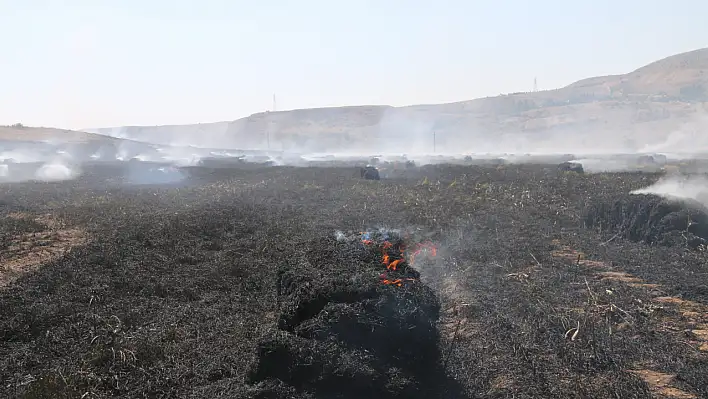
(571,167)
(343,333)
(652,219)
(369,173)
(650,160)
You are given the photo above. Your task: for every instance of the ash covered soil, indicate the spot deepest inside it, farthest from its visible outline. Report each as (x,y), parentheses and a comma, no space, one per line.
(255,282)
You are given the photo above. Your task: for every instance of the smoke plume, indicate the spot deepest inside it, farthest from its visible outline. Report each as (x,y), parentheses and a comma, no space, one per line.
(679,188)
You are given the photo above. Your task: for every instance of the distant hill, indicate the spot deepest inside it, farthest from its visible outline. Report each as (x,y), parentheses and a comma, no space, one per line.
(44,134)
(681,77)
(644,108)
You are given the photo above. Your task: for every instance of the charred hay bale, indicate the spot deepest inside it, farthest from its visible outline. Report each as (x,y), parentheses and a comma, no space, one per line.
(369,173)
(342,332)
(568,157)
(571,167)
(693,166)
(652,220)
(303,299)
(646,160)
(359,311)
(288,364)
(408,314)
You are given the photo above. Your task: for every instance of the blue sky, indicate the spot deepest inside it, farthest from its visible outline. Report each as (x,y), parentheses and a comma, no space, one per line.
(97,63)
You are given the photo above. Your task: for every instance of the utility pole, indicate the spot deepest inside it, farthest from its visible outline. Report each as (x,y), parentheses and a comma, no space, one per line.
(434,143)
(268,124)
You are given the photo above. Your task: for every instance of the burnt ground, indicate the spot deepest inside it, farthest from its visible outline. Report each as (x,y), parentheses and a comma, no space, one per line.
(233,284)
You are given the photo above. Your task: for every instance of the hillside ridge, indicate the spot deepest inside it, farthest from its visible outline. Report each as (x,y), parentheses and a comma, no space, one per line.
(651,101)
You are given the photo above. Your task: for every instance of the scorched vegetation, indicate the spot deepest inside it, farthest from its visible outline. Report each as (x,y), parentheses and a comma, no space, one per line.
(274,282)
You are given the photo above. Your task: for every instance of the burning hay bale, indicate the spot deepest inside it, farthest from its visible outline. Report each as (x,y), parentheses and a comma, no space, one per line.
(369,172)
(571,167)
(370,334)
(652,219)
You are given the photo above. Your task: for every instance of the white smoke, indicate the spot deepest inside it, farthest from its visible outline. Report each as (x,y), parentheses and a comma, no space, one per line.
(181,156)
(679,188)
(21,155)
(340,236)
(141,173)
(689,139)
(55,171)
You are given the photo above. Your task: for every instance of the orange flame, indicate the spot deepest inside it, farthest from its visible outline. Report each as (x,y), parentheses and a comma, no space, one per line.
(394,264)
(397,282)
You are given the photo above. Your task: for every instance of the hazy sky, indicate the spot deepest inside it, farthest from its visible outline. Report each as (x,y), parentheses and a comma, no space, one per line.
(98,63)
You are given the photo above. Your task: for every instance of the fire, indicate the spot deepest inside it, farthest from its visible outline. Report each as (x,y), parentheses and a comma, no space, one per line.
(394,265)
(397,282)
(396,256)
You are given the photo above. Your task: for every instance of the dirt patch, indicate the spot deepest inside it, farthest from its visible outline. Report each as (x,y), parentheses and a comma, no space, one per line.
(454,322)
(649,286)
(571,255)
(660,384)
(619,276)
(683,303)
(691,310)
(701,333)
(45,239)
